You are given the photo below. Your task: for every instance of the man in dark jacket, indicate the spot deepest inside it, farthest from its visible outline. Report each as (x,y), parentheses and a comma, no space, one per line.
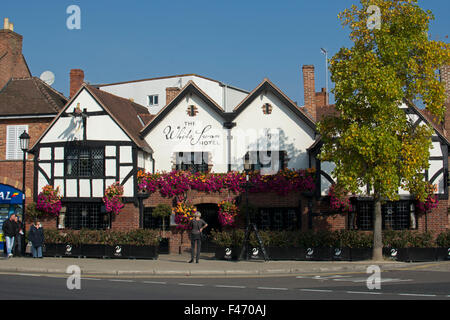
(10,231)
(36,236)
(19,235)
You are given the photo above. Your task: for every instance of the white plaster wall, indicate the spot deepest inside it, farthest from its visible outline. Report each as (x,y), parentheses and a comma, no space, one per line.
(98,127)
(288,132)
(165,143)
(140,90)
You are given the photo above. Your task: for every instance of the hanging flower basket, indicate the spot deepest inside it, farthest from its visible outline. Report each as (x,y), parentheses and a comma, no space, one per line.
(338,200)
(431,201)
(113,198)
(49,200)
(184,213)
(228,210)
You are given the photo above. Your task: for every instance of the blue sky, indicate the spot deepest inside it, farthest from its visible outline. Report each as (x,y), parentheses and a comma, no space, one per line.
(237,42)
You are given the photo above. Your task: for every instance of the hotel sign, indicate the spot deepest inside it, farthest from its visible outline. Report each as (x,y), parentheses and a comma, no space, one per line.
(193,134)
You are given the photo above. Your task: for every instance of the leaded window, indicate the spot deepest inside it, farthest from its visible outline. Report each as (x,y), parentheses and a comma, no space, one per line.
(85,162)
(259,160)
(151,222)
(86,216)
(192,161)
(396,215)
(278,219)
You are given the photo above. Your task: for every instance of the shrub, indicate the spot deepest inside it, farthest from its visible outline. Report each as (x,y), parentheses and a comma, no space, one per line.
(443,239)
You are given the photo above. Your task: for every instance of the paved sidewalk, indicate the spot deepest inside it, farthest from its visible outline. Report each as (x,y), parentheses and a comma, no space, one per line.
(176,265)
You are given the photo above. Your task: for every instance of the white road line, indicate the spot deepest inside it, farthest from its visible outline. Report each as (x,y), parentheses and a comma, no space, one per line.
(191,284)
(90,279)
(226,286)
(121,280)
(28,275)
(269,288)
(363,292)
(316,290)
(155,282)
(417,295)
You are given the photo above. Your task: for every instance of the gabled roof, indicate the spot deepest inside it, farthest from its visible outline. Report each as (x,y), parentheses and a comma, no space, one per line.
(190,87)
(168,77)
(266,84)
(30,96)
(422,113)
(123,111)
(426,116)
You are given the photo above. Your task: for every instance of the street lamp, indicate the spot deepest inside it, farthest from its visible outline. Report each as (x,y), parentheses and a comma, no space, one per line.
(24,144)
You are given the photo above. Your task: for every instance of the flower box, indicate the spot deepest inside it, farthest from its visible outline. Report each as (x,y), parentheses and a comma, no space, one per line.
(420,254)
(93,250)
(143,252)
(341,254)
(227,253)
(359,254)
(442,254)
(70,250)
(119,251)
(163,246)
(284,253)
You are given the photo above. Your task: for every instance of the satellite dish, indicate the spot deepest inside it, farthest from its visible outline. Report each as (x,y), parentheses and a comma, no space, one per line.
(48,77)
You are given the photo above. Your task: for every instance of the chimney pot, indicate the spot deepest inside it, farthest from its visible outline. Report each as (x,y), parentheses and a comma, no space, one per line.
(76,81)
(6,24)
(11,26)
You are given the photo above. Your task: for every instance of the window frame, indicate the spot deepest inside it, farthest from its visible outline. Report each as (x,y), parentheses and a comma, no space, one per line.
(77,207)
(151,100)
(192,166)
(18,153)
(92,160)
(271,212)
(258,166)
(155,223)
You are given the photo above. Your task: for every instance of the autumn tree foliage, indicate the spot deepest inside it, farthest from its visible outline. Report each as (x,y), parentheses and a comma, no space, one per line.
(372,142)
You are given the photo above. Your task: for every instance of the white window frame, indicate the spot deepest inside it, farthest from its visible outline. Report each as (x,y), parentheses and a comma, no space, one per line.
(13,150)
(153,104)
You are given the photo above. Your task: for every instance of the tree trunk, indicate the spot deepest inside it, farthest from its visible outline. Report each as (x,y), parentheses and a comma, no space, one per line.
(377,254)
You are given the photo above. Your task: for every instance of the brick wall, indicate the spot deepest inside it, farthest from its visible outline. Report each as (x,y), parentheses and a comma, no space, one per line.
(13,64)
(171,93)
(11,170)
(309,90)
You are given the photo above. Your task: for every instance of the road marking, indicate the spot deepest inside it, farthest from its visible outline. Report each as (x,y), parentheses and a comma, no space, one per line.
(155,282)
(90,279)
(191,284)
(417,295)
(121,280)
(226,286)
(316,290)
(28,274)
(363,292)
(269,288)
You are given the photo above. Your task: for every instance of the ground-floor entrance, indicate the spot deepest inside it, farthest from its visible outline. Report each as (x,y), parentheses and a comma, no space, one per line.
(209,213)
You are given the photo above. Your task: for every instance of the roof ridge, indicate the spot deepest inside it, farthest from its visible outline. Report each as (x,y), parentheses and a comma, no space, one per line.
(47,97)
(116,96)
(51,88)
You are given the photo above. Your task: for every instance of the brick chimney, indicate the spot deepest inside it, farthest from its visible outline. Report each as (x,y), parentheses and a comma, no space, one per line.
(12,62)
(76,81)
(309,90)
(171,93)
(445,77)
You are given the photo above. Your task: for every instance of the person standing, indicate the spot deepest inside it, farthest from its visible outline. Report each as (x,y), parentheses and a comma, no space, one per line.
(9,231)
(198,225)
(36,236)
(18,241)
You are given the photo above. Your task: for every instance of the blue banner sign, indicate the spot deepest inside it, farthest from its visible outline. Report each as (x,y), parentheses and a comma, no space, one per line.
(10,195)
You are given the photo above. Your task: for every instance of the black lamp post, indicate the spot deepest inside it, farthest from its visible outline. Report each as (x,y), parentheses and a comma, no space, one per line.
(24,144)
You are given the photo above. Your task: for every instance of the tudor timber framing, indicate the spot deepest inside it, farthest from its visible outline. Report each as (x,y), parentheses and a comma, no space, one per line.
(89,144)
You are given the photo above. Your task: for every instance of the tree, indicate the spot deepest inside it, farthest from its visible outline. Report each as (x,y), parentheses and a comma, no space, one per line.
(372,143)
(162,210)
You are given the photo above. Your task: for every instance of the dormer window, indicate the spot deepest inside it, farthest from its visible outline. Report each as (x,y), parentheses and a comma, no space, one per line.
(153,100)
(192,110)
